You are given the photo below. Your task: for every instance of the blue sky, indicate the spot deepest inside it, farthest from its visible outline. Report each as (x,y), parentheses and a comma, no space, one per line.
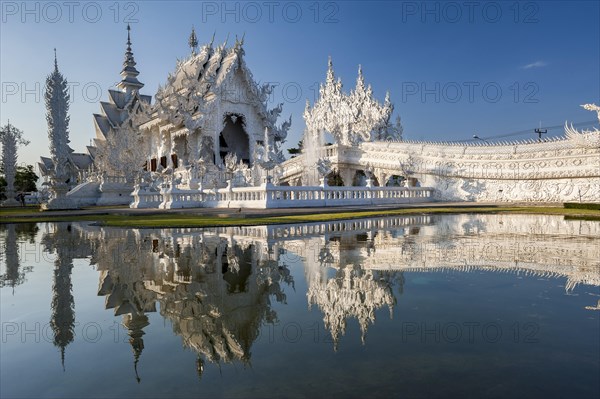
(453,69)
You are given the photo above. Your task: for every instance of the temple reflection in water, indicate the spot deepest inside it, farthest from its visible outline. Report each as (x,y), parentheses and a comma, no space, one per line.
(10,255)
(217,287)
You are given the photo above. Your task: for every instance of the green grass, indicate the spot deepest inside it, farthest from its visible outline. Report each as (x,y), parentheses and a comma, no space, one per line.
(17,210)
(577,205)
(187,220)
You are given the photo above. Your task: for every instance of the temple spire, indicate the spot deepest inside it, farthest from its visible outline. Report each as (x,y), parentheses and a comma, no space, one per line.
(129,81)
(193,41)
(360,81)
(57,115)
(330,74)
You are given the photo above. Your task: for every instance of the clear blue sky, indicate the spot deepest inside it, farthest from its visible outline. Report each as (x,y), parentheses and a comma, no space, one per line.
(443,62)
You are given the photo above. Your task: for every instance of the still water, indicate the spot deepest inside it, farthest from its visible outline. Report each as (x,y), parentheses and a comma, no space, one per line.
(411,306)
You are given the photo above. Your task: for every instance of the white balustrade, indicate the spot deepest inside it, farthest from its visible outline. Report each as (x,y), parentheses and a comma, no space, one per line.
(270,196)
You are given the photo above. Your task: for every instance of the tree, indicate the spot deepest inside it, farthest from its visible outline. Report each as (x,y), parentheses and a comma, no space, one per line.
(297,150)
(25,180)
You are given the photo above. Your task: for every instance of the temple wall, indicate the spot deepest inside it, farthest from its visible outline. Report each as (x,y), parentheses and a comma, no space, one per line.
(560,170)
(552,171)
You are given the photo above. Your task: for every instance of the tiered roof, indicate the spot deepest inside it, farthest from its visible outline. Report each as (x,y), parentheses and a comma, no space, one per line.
(121,103)
(129,72)
(198,81)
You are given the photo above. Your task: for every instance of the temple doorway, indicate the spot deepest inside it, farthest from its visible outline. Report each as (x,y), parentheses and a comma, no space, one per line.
(234,139)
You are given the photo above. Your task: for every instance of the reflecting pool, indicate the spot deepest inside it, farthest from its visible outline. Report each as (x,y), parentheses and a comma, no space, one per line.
(411,306)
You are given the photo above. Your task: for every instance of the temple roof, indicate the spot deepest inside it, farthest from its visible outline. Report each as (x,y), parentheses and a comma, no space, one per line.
(116,111)
(80,160)
(198,80)
(102,126)
(129,73)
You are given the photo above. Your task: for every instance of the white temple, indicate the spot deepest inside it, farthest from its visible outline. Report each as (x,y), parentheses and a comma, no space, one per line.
(210,140)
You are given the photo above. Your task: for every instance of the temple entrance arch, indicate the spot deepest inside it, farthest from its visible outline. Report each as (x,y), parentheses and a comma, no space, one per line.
(334,179)
(396,181)
(234,138)
(360,179)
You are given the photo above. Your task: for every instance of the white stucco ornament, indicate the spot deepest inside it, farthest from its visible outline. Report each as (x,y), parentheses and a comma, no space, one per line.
(351,118)
(10,138)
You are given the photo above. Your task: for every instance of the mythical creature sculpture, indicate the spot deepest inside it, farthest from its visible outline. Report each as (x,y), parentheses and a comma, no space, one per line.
(585,138)
(323,167)
(592,107)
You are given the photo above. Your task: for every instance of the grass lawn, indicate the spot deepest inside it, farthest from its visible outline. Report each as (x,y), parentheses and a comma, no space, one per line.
(21,215)
(18,210)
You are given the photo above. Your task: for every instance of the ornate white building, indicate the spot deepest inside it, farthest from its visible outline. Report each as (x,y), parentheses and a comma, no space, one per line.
(209,107)
(210,123)
(555,170)
(210,140)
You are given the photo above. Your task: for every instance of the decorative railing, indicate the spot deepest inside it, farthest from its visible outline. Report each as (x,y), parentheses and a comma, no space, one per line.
(113,179)
(270,196)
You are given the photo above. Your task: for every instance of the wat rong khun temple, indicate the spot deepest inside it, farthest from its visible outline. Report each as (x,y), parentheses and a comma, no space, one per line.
(209,140)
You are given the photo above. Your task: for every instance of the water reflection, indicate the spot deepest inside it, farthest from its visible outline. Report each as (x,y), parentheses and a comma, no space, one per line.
(216,290)
(63,246)
(15,274)
(217,287)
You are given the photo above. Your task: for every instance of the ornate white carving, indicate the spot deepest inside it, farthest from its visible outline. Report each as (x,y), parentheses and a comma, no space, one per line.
(586,138)
(214,83)
(57,106)
(10,138)
(555,170)
(353,118)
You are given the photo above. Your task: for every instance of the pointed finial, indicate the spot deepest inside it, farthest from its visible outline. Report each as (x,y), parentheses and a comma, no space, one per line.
(330,75)
(129,73)
(360,79)
(193,41)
